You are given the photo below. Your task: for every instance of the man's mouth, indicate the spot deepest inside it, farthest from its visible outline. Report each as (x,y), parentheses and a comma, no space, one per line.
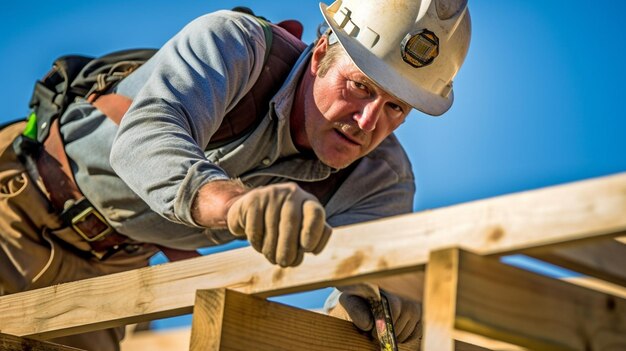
(347,138)
(350,134)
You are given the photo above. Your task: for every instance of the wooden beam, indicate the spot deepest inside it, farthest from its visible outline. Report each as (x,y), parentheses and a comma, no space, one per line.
(598,285)
(439,305)
(409,285)
(157,340)
(592,208)
(480,295)
(604,259)
(179,339)
(228,320)
(224,319)
(469,340)
(15,343)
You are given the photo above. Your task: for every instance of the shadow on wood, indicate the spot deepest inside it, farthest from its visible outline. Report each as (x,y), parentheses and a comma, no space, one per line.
(15,343)
(483,296)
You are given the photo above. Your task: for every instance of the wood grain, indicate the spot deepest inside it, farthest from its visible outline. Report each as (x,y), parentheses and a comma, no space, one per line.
(15,343)
(160,340)
(522,308)
(604,259)
(572,212)
(226,320)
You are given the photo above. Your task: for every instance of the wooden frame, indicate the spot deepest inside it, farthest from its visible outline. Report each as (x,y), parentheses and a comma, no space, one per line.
(224,319)
(482,296)
(579,213)
(15,343)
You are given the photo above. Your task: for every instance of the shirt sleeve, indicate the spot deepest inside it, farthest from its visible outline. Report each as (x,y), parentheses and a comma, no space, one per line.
(199,75)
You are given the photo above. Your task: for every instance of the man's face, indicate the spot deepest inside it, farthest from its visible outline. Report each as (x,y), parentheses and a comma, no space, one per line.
(346,115)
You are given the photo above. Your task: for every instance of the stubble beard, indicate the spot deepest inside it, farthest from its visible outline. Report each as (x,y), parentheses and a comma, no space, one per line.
(329,160)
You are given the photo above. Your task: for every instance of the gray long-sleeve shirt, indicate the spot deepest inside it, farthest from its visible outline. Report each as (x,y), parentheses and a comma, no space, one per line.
(159,157)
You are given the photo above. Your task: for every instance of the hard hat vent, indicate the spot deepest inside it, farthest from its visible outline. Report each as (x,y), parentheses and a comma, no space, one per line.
(420,48)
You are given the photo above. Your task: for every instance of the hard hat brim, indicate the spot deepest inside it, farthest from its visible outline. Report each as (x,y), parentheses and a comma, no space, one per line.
(386,77)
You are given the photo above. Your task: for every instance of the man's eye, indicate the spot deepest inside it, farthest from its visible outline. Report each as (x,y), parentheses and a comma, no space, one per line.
(396,107)
(359,89)
(359,86)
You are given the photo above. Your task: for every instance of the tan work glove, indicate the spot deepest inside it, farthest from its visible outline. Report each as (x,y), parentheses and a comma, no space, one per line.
(281,221)
(352,305)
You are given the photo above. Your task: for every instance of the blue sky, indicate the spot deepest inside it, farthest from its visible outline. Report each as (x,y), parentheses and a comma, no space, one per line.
(540,100)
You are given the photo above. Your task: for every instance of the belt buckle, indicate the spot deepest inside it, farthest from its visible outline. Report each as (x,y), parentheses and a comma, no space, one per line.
(82,216)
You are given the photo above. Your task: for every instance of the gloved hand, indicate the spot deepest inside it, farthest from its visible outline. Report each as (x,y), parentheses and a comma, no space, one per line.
(281,221)
(353,305)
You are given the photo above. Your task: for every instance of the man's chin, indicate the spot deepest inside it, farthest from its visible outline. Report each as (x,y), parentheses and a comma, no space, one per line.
(336,164)
(336,158)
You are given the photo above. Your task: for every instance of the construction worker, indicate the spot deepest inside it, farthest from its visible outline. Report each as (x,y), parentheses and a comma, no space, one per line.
(158,181)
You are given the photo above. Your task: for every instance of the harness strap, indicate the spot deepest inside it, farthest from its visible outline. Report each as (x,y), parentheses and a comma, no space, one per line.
(65,197)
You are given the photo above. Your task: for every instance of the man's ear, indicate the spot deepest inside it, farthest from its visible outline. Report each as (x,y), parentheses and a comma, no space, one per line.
(319,51)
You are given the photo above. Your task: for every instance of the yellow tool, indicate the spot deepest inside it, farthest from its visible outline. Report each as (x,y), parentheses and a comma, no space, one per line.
(383,322)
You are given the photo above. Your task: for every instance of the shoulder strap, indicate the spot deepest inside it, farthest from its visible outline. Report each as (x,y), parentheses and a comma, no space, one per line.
(267,32)
(74,76)
(283,51)
(250,110)
(52,94)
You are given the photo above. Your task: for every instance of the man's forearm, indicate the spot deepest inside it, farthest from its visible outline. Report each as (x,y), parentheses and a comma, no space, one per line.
(213,200)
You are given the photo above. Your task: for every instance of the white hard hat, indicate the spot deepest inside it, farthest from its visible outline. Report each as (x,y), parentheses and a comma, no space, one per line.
(411,48)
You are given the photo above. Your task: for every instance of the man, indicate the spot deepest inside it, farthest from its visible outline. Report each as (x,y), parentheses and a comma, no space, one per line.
(158,178)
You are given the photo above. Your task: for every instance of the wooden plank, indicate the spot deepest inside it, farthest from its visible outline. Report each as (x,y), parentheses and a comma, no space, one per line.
(519,307)
(461,346)
(598,285)
(592,208)
(409,285)
(471,341)
(439,306)
(161,340)
(604,259)
(228,320)
(439,309)
(15,343)
(178,339)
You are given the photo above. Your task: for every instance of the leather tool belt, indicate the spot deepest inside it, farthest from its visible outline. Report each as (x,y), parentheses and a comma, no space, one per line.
(74,208)
(52,165)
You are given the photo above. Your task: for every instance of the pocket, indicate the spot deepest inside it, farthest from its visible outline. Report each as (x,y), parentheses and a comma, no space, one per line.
(7,136)
(21,199)
(62,266)
(12,183)
(23,203)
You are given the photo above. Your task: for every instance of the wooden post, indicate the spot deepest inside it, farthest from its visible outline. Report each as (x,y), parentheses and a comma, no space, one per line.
(439,305)
(224,319)
(479,295)
(15,343)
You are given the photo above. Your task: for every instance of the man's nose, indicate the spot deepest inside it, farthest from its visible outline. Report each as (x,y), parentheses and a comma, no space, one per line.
(370,113)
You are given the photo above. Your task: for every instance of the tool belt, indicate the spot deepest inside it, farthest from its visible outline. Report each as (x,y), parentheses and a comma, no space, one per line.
(50,163)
